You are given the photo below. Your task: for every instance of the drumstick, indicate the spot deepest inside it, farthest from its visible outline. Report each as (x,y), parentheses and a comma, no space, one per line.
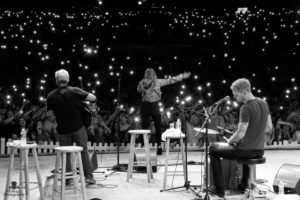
(227,131)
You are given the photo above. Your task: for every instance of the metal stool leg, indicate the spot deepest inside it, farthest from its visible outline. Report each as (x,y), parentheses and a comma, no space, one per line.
(63,176)
(183,158)
(81,176)
(11,165)
(131,157)
(249,194)
(25,154)
(74,172)
(21,187)
(38,174)
(58,158)
(148,162)
(166,163)
(151,171)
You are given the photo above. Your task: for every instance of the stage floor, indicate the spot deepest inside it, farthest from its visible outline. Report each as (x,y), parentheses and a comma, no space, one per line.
(115,187)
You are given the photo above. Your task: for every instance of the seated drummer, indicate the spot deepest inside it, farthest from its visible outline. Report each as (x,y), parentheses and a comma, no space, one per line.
(249,139)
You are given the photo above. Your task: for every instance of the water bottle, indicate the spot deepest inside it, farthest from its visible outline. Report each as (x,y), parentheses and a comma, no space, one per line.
(172,125)
(281,188)
(178,124)
(23,137)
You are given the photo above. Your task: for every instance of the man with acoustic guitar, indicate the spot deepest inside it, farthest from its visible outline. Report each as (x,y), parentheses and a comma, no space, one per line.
(64,104)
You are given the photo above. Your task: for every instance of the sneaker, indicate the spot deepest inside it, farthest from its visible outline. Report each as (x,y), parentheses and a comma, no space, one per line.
(219,193)
(242,188)
(90,181)
(159,151)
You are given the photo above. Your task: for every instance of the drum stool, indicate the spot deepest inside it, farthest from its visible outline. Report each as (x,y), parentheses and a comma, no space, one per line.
(133,134)
(61,153)
(252,176)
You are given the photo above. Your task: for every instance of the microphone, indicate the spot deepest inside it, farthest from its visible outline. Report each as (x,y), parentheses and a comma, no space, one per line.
(227,98)
(80,79)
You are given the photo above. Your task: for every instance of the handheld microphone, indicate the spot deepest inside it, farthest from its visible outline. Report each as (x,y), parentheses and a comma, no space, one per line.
(80,79)
(227,98)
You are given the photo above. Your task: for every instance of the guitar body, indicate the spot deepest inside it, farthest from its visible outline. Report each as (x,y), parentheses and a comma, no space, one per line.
(89,112)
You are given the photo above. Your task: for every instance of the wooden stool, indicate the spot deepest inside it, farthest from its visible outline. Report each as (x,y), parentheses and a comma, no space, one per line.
(168,138)
(131,162)
(23,166)
(61,153)
(252,176)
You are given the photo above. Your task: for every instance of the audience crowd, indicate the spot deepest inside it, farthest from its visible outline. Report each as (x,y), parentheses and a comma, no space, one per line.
(112,125)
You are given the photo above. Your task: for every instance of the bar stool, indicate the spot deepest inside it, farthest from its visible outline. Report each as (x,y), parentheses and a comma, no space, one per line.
(131,162)
(168,139)
(23,164)
(61,153)
(252,176)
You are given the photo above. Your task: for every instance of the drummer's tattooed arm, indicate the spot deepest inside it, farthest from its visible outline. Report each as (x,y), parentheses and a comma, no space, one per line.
(239,134)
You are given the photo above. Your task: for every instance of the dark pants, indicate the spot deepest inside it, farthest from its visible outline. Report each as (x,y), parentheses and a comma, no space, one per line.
(80,138)
(218,150)
(151,110)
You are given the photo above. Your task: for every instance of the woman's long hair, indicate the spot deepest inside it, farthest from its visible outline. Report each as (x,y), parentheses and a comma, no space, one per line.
(150,74)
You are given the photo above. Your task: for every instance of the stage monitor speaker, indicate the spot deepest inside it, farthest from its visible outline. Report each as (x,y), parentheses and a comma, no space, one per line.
(139,156)
(290,176)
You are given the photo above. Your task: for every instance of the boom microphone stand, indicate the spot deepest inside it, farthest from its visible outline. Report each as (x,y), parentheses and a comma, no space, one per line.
(212,109)
(186,185)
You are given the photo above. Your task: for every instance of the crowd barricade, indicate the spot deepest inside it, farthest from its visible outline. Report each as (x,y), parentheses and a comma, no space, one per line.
(47,148)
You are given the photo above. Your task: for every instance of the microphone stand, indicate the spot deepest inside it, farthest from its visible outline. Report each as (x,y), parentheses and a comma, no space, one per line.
(117,167)
(187,184)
